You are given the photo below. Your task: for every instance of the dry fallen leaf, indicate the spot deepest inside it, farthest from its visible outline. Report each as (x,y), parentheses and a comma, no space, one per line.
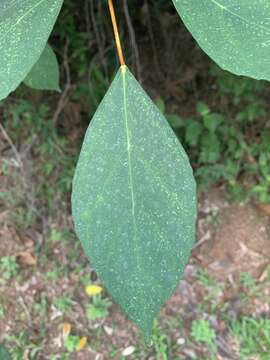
(26,258)
(81,344)
(265,208)
(264,274)
(108,330)
(25,354)
(128,351)
(66,330)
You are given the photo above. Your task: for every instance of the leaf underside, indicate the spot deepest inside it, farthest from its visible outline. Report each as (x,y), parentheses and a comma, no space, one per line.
(134,201)
(24,30)
(44,75)
(235,33)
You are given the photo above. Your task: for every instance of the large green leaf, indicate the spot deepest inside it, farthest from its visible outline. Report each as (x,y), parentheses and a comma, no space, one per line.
(235,33)
(24,29)
(44,75)
(134,201)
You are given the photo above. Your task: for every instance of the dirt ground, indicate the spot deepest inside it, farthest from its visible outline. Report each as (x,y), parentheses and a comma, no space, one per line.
(230,239)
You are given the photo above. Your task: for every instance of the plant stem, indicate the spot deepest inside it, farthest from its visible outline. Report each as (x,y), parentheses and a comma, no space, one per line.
(116,34)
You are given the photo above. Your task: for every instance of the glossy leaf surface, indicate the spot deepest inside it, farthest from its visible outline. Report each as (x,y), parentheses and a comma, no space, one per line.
(24,30)
(44,75)
(234,33)
(134,201)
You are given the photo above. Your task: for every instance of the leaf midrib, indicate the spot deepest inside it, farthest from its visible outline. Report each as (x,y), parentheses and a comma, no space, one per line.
(130,175)
(21,18)
(224,8)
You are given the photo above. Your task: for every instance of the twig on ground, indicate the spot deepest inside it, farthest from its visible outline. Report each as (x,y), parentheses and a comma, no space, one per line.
(12,146)
(204,238)
(27,312)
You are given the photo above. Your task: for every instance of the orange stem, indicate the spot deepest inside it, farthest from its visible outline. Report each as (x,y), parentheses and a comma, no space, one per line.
(116,34)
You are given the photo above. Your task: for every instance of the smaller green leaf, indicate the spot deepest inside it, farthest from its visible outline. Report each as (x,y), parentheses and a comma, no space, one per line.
(71,342)
(175,121)
(44,75)
(4,354)
(202,108)
(210,148)
(161,105)
(212,121)
(193,131)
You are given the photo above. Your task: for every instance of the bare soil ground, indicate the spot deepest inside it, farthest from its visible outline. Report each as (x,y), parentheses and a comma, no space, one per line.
(232,239)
